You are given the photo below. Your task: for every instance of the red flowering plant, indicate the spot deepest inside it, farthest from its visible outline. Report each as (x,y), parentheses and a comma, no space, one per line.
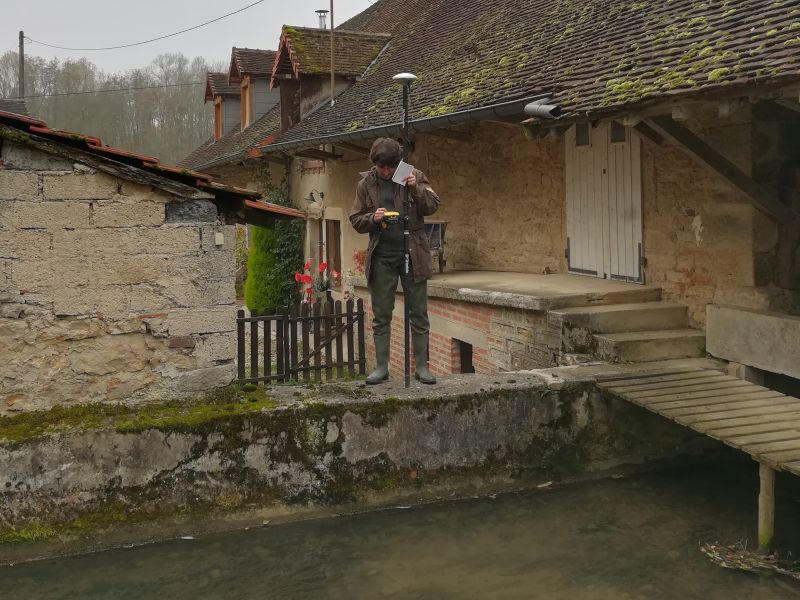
(322,283)
(306,280)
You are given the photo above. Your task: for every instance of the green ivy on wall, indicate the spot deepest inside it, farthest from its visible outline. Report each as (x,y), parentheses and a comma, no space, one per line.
(275,253)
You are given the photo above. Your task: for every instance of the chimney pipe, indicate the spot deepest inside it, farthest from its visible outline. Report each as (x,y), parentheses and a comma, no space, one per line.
(322,14)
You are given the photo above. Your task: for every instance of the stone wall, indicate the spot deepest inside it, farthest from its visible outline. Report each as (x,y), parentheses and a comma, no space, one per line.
(481,183)
(342,447)
(109,290)
(698,231)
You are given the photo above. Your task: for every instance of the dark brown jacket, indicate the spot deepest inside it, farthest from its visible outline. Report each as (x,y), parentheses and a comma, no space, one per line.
(422,200)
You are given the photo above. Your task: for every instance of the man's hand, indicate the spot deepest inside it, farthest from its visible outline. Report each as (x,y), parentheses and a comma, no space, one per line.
(378,215)
(411,181)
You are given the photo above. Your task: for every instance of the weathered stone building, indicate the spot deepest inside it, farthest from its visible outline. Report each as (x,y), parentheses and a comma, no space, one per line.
(663,182)
(116,272)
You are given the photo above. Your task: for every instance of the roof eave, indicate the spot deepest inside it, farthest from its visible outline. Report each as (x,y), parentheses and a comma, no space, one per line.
(504,109)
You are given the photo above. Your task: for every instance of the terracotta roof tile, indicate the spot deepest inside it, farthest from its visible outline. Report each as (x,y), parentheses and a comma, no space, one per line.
(594,56)
(217,84)
(308,51)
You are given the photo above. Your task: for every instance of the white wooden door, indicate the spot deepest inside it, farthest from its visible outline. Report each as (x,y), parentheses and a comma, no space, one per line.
(604,202)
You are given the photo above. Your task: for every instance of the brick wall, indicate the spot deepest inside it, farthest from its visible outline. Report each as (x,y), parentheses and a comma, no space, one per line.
(109,290)
(502,339)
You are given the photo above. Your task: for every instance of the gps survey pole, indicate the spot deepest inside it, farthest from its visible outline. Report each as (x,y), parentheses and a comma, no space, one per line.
(406,79)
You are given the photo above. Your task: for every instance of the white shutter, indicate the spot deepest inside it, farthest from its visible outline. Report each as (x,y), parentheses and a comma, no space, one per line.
(604,205)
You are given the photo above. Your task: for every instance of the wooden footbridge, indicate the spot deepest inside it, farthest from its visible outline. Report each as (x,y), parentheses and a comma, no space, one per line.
(761,422)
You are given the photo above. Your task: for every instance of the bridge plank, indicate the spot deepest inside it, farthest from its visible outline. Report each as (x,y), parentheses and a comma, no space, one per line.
(633,381)
(709,401)
(643,387)
(712,393)
(604,380)
(765,403)
(703,387)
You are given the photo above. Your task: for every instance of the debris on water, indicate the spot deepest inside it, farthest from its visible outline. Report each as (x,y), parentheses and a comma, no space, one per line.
(187,537)
(403,507)
(739,557)
(618,477)
(544,485)
(266,522)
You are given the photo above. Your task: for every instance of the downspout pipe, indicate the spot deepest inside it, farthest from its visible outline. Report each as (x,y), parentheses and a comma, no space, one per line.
(542,109)
(504,109)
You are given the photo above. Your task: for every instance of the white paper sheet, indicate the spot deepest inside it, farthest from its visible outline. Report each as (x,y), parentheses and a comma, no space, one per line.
(403,170)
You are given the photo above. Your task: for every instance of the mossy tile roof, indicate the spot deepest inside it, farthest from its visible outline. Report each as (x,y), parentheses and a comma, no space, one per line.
(217,84)
(592,56)
(236,144)
(251,61)
(308,51)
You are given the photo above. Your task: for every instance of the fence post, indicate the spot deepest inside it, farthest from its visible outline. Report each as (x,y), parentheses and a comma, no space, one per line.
(327,309)
(253,345)
(268,346)
(317,341)
(362,358)
(240,344)
(350,340)
(339,324)
(293,319)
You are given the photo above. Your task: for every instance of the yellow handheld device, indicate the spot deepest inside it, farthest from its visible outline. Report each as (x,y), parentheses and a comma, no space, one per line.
(390,218)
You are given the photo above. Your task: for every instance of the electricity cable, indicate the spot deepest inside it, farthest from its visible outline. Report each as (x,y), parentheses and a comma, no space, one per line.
(151,40)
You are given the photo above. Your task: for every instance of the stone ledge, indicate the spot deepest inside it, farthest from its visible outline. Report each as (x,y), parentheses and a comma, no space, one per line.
(306,447)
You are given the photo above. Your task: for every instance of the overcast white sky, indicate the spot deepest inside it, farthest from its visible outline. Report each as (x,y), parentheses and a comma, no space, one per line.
(97,23)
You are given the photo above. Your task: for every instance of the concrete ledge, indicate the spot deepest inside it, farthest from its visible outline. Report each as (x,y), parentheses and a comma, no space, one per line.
(304,448)
(533,292)
(757,338)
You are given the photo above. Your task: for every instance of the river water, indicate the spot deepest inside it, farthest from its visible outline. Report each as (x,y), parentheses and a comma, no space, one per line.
(616,539)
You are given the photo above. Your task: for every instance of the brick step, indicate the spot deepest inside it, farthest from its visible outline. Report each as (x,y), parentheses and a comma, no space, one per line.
(644,346)
(614,318)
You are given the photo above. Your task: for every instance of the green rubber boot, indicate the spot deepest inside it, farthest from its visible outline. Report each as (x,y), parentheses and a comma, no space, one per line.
(420,344)
(381,372)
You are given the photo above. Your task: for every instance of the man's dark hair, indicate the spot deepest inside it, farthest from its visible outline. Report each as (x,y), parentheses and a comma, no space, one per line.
(385,152)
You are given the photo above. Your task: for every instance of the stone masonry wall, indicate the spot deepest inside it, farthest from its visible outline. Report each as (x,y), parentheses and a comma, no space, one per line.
(109,290)
(698,231)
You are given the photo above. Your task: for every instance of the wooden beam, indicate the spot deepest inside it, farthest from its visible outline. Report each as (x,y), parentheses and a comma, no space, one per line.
(699,150)
(317,154)
(451,134)
(766,507)
(354,148)
(644,130)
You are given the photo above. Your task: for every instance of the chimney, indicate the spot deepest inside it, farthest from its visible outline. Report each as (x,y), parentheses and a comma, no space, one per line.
(322,14)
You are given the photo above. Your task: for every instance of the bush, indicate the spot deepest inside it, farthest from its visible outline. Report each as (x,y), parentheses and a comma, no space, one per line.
(274,257)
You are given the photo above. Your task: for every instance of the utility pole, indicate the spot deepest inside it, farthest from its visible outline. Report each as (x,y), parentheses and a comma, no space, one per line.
(333,78)
(21,86)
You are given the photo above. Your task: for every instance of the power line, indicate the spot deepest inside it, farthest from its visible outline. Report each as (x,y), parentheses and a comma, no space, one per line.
(151,40)
(128,89)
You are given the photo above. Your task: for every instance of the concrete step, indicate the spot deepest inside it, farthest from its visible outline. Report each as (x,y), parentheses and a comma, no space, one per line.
(613,318)
(644,346)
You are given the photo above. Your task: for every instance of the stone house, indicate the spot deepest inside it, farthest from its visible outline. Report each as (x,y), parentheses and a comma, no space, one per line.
(116,272)
(661,186)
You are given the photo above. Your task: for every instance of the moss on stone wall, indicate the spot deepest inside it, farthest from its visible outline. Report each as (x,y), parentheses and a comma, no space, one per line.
(164,416)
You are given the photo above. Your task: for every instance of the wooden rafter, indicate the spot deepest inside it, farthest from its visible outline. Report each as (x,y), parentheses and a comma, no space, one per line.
(700,151)
(648,133)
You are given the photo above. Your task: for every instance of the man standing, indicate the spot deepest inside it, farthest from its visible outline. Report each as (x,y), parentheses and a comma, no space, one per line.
(376,195)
